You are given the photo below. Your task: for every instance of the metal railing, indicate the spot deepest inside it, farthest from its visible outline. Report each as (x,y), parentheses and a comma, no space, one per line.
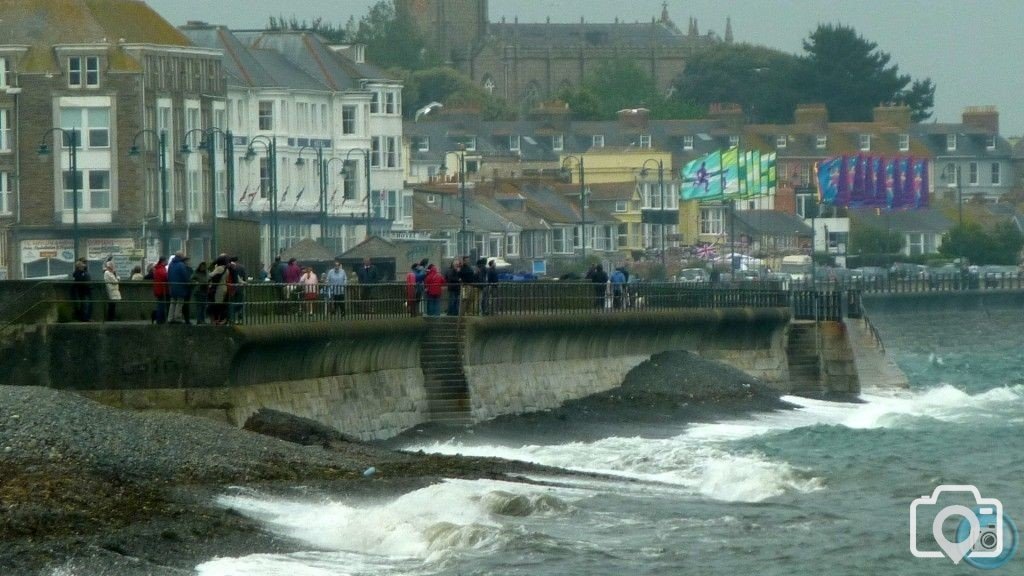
(267,303)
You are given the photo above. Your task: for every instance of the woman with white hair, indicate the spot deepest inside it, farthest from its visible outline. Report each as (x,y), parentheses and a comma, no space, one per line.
(112,283)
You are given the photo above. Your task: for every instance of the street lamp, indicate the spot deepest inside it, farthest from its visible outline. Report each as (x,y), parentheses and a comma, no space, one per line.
(322,184)
(209,144)
(69,139)
(567,163)
(270,144)
(161,166)
(951,174)
(661,186)
(366,167)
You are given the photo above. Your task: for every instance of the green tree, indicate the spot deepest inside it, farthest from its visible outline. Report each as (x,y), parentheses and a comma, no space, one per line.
(330,32)
(444,85)
(1001,245)
(867,239)
(618,84)
(761,80)
(851,76)
(392,38)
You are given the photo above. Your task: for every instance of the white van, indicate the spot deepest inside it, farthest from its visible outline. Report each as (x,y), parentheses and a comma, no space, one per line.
(799,267)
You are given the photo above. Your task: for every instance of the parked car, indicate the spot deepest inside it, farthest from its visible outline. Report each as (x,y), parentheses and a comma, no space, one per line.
(500,264)
(692,275)
(908,271)
(995,276)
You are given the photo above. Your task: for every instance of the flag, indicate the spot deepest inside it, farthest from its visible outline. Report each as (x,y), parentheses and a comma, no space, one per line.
(284,198)
(768,174)
(703,178)
(828,174)
(706,251)
(730,178)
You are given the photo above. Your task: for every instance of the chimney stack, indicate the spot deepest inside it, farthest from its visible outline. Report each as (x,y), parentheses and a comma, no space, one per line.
(983,117)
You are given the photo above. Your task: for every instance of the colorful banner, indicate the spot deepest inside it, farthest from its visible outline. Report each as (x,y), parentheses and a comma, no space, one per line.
(870,181)
(729,174)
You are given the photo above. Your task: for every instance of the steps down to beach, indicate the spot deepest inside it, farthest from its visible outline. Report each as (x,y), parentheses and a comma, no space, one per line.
(445,381)
(874,367)
(803,357)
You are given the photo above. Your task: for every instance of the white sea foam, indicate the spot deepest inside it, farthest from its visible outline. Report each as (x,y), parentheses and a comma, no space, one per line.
(679,461)
(425,525)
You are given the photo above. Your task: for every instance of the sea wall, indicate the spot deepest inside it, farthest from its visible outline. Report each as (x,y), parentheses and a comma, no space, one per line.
(364,377)
(523,364)
(911,302)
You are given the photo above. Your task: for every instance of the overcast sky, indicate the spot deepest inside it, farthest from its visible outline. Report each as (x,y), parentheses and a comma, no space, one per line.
(970,49)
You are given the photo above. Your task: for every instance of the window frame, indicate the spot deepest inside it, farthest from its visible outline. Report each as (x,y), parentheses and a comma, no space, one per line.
(348,120)
(864,142)
(996,174)
(265,115)
(711,221)
(821,141)
(904,142)
(514,143)
(990,142)
(781,140)
(645,141)
(973,178)
(688,142)
(558,142)
(951,142)
(5,193)
(597,141)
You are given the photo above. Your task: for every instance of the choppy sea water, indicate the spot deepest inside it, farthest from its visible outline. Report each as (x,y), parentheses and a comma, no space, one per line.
(821,489)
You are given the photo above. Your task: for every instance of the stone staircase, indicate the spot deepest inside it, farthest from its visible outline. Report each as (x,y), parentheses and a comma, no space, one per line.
(804,359)
(875,367)
(441,361)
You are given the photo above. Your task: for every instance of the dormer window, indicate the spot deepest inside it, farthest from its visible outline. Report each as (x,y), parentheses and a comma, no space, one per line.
(83,72)
(687,142)
(865,142)
(471,144)
(645,140)
(597,141)
(513,143)
(734,141)
(990,142)
(904,142)
(950,142)
(780,141)
(821,142)
(557,142)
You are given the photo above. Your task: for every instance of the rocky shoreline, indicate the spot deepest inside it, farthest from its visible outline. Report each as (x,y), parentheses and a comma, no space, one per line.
(88,489)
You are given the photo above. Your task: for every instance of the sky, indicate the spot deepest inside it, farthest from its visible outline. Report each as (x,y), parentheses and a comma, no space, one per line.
(965,47)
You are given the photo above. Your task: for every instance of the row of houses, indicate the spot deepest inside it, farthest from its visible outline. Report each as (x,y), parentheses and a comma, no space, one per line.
(122,135)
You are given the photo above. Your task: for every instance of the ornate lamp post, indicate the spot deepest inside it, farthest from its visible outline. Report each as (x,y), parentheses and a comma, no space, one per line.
(661,185)
(209,143)
(366,167)
(70,141)
(567,163)
(161,166)
(270,144)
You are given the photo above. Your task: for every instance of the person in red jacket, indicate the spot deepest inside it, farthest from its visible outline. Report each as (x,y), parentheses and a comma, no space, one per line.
(412,301)
(160,290)
(433,286)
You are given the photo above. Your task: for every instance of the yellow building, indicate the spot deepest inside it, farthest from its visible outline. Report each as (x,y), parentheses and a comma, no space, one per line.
(604,168)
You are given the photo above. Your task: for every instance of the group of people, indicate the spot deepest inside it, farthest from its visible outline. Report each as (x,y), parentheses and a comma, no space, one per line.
(470,289)
(217,289)
(616,284)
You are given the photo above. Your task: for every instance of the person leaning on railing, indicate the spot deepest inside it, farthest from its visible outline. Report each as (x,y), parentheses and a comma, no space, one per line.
(160,292)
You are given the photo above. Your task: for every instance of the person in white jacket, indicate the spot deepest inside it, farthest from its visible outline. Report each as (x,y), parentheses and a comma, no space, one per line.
(112,283)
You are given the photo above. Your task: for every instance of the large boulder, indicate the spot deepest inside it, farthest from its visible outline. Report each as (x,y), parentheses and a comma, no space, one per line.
(292,428)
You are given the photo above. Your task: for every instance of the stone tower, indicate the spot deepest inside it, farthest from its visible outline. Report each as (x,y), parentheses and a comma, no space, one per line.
(453,28)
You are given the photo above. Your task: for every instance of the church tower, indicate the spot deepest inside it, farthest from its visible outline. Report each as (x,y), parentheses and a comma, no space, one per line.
(453,28)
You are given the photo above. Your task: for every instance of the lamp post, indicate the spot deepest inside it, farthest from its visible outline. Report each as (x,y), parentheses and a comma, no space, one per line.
(463,244)
(209,144)
(567,163)
(69,138)
(322,180)
(366,167)
(661,186)
(270,144)
(161,166)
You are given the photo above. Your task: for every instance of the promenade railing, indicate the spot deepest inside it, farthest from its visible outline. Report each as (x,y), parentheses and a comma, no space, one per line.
(268,303)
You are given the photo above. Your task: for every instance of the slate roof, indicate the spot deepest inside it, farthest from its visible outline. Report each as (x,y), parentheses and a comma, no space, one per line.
(293,59)
(40,25)
(772,223)
(594,35)
(922,220)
